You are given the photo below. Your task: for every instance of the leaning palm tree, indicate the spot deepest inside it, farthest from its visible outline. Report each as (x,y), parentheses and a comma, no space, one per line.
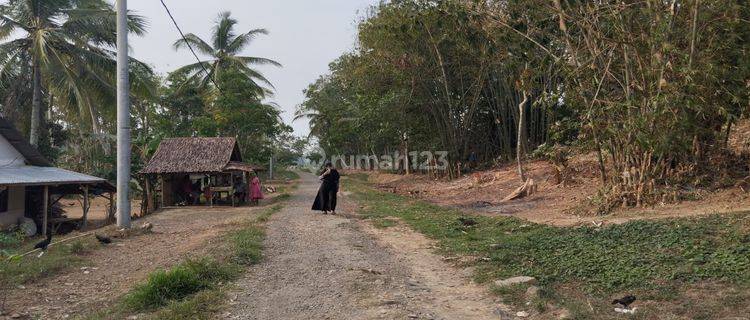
(223,50)
(69,47)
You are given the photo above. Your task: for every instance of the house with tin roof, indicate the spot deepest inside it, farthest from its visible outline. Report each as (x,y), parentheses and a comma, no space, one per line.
(30,186)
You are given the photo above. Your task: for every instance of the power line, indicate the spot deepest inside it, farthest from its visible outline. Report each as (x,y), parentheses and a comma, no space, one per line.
(188,44)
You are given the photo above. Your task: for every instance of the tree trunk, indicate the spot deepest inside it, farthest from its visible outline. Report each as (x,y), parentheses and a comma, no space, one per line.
(36,106)
(693,33)
(521,129)
(407,163)
(728,132)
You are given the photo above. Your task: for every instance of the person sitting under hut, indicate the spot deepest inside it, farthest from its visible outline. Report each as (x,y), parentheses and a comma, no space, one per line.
(240,190)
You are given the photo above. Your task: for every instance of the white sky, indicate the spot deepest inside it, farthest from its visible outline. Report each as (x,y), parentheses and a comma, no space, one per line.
(305,35)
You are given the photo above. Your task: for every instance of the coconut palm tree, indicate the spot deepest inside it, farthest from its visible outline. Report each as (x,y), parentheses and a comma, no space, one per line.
(223,50)
(69,47)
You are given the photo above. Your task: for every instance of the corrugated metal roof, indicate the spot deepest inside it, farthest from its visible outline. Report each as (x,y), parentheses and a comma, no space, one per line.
(30,175)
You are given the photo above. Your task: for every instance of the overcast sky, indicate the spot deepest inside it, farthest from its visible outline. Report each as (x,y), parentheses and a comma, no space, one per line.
(305,35)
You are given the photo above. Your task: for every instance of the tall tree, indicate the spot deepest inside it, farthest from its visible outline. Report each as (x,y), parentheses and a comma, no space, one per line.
(224,51)
(68,44)
(237,112)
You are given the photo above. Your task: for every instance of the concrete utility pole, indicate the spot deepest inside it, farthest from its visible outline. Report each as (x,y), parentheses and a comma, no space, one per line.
(270,168)
(123,118)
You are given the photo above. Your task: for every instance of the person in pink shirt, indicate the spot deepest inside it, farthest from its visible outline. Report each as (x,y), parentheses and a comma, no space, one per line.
(255,193)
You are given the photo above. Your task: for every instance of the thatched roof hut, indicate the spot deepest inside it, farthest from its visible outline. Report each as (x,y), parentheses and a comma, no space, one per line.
(181,163)
(194,155)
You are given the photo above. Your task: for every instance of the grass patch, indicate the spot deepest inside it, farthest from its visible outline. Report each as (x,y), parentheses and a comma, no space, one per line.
(277,199)
(383,223)
(248,245)
(195,289)
(183,280)
(358,176)
(512,295)
(285,174)
(644,257)
(201,306)
(58,258)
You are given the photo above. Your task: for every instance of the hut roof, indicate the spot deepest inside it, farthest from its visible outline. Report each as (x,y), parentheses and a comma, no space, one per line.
(32,175)
(241,166)
(193,155)
(16,139)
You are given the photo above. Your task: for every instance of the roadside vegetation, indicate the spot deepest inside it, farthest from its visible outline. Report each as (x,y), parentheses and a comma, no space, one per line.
(652,89)
(283,174)
(17,271)
(691,267)
(197,287)
(57,84)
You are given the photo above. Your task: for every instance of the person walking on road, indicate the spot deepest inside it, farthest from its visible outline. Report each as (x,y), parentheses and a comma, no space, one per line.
(326,199)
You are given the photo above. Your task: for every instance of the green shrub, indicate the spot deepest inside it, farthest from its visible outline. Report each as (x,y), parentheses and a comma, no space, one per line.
(178,283)
(202,305)
(9,239)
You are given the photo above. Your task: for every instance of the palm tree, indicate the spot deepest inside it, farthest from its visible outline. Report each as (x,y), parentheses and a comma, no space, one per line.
(226,46)
(69,47)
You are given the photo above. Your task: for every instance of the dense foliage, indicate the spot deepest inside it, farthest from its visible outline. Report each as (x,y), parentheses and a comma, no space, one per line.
(651,87)
(57,65)
(57,84)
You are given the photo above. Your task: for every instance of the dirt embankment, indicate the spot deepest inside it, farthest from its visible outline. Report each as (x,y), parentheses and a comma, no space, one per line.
(553,203)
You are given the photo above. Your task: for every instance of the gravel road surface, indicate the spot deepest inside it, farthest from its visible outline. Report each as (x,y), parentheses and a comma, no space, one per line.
(340,267)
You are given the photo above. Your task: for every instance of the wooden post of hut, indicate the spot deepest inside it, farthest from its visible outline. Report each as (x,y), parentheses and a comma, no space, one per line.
(149,197)
(210,193)
(112,209)
(231,189)
(246,177)
(45,207)
(86,206)
(163,190)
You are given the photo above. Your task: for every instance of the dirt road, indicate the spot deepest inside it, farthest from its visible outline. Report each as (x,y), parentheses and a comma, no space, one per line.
(339,267)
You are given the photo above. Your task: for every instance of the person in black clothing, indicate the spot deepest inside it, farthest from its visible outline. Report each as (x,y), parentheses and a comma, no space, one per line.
(326,199)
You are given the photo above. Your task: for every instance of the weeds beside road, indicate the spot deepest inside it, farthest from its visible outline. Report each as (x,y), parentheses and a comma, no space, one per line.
(671,265)
(195,289)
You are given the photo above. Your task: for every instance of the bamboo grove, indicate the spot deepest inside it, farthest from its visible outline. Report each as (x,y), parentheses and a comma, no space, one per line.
(651,87)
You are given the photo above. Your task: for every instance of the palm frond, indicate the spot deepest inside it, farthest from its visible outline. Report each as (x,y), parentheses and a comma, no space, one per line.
(194,68)
(196,42)
(257,61)
(8,25)
(254,74)
(243,40)
(223,31)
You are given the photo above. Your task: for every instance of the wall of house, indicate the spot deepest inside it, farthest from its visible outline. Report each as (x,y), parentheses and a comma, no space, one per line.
(16,206)
(9,156)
